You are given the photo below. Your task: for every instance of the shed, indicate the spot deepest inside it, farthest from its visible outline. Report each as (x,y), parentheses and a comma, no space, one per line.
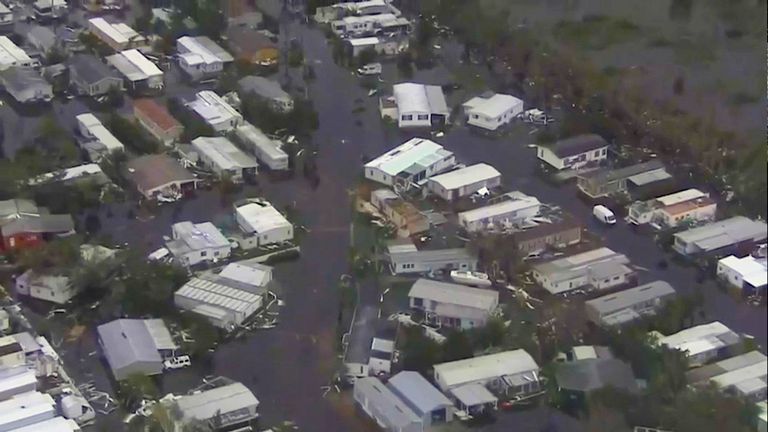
(422,397)
(133,346)
(464,181)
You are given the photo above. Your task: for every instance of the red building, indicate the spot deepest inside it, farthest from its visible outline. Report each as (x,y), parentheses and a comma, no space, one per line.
(23,224)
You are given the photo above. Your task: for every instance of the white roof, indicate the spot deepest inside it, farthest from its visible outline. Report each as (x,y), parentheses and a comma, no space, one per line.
(56,424)
(10,53)
(69,173)
(218,295)
(414,151)
(380,18)
(363,41)
(230,401)
(4,9)
(199,236)
(99,132)
(19,380)
(473,394)
(747,379)
(248,273)
(137,58)
(485,367)
(262,218)
(212,108)
(203,48)
(134,66)
(449,293)
(752,270)
(701,338)
(679,197)
(121,33)
(466,176)
(257,138)
(494,106)
(502,208)
(383,345)
(411,97)
(723,233)
(25,406)
(223,153)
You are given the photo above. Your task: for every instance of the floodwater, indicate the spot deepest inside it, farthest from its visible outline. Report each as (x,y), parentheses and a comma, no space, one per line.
(677,38)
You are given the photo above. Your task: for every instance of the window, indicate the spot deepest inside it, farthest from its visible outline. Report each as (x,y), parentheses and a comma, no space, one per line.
(418,302)
(475,116)
(604,151)
(406,117)
(616,278)
(216,253)
(423,117)
(597,153)
(203,253)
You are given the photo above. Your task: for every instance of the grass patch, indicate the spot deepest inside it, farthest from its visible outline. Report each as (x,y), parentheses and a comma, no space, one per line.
(596,32)
(659,42)
(358,110)
(742,98)
(689,52)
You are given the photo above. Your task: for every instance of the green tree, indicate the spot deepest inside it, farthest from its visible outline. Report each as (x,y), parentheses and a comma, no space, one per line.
(131,135)
(457,346)
(135,388)
(419,352)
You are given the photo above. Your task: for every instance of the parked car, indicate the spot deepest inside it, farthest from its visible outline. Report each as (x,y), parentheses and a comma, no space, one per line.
(604,214)
(177,362)
(370,69)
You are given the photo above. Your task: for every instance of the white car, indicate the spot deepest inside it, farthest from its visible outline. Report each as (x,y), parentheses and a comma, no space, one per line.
(177,362)
(159,255)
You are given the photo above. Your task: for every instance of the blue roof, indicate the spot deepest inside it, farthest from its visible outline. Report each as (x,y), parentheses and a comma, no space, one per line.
(417,392)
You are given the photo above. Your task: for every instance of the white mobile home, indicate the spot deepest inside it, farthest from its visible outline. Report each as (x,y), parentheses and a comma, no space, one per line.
(516,208)
(385,407)
(98,141)
(749,274)
(140,74)
(118,36)
(629,305)
(196,243)
(409,164)
(224,158)
(510,372)
(574,152)
(453,305)
(267,150)
(11,55)
(598,269)
(493,112)
(703,343)
(219,115)
(721,236)
(691,205)
(200,57)
(422,397)
(222,301)
(418,105)
(263,221)
(464,181)
(426,261)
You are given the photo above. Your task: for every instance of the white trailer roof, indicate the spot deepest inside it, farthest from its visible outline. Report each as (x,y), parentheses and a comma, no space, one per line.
(494,106)
(466,176)
(262,218)
(485,367)
(679,197)
(257,138)
(212,108)
(414,151)
(121,33)
(25,406)
(223,153)
(502,208)
(56,424)
(204,48)
(133,65)
(10,53)
(218,295)
(140,61)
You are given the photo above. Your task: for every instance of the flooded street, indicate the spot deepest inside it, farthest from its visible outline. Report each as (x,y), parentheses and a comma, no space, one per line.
(287,366)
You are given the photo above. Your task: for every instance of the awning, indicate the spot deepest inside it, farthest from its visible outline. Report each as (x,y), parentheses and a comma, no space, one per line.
(650,177)
(473,394)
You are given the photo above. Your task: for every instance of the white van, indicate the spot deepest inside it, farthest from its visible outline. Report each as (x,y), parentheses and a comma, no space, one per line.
(370,69)
(604,214)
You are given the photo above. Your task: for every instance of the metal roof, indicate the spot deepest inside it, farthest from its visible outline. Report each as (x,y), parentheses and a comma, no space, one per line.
(592,374)
(473,394)
(255,137)
(485,367)
(650,177)
(262,217)
(680,197)
(752,270)
(631,297)
(433,255)
(443,292)
(731,364)
(208,50)
(212,108)
(387,407)
(577,265)
(120,33)
(10,53)
(413,151)
(199,236)
(56,424)
(264,87)
(503,208)
(230,403)
(701,338)
(127,341)
(251,273)
(134,65)
(494,106)
(466,176)
(579,144)
(724,233)
(222,153)
(218,294)
(419,98)
(160,334)
(17,79)
(26,406)
(356,42)
(421,396)
(611,175)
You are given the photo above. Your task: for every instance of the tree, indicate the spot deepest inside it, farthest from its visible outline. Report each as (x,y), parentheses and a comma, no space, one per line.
(420,353)
(710,410)
(366,56)
(130,135)
(92,223)
(405,64)
(457,346)
(135,388)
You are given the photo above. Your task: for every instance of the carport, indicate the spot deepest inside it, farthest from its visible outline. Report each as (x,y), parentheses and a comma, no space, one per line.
(473,398)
